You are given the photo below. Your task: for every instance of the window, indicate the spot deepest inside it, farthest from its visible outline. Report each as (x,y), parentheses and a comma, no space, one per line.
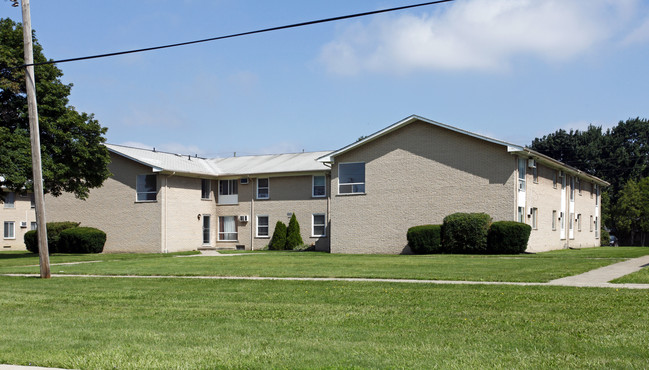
(146,187)
(596,228)
(228,192)
(10,199)
(555,176)
(33,226)
(535,174)
(206,188)
(319,224)
(319,187)
(578,186)
(572,188)
(571,221)
(578,221)
(596,195)
(10,230)
(227,228)
(521,214)
(554,220)
(32,201)
(351,178)
(262,189)
(522,163)
(535,212)
(592,186)
(591,223)
(262,226)
(206,229)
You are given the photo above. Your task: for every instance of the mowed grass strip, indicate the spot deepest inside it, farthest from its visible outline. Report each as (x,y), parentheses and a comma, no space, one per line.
(540,267)
(101,323)
(640,277)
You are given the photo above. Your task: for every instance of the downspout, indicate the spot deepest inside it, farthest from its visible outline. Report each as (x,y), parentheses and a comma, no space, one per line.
(252,217)
(165,248)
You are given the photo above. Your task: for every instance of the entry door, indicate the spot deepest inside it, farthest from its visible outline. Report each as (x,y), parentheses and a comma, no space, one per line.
(206,230)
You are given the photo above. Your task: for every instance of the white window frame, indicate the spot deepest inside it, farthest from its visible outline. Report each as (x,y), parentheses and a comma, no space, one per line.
(10,200)
(267,188)
(324,186)
(578,185)
(520,217)
(33,225)
(555,179)
(591,223)
(353,185)
(9,231)
(554,220)
(535,218)
(138,192)
(223,233)
(579,222)
(535,174)
(522,173)
(323,225)
(206,188)
(258,225)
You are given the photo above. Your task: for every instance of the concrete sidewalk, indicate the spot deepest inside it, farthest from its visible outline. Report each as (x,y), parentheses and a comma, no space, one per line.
(600,277)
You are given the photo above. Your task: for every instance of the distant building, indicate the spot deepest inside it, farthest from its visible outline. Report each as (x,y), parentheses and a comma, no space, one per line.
(359,199)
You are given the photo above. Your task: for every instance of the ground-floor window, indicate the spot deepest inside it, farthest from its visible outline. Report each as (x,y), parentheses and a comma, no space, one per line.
(591,223)
(521,214)
(33,226)
(10,230)
(596,228)
(262,226)
(319,224)
(227,228)
(206,229)
(554,220)
(535,212)
(578,221)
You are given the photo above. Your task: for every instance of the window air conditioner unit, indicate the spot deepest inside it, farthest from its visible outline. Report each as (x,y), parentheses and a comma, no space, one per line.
(243,218)
(531,163)
(23,224)
(244,181)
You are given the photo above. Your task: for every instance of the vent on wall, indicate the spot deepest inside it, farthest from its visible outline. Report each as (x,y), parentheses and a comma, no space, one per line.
(23,224)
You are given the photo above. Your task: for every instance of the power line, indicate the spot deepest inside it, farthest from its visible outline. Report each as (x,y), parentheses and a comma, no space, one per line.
(302,24)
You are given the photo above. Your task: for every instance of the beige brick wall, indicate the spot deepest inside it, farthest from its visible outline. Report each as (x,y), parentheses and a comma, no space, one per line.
(418,175)
(21,212)
(130,226)
(287,195)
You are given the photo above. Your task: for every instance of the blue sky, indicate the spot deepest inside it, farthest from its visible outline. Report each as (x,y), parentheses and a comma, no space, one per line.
(510,69)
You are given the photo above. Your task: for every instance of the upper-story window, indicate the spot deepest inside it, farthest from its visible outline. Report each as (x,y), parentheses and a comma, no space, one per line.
(522,164)
(10,200)
(572,188)
(351,178)
(535,174)
(263,188)
(146,187)
(206,188)
(555,176)
(319,187)
(228,191)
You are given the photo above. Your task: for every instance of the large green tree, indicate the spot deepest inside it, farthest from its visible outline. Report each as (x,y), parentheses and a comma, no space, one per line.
(619,155)
(73,155)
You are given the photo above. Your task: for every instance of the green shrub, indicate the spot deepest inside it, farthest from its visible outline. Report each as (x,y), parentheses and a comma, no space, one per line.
(278,241)
(508,237)
(293,236)
(465,232)
(54,229)
(604,238)
(82,240)
(425,239)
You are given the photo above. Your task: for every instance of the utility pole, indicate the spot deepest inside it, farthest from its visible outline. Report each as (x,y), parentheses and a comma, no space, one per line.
(34,133)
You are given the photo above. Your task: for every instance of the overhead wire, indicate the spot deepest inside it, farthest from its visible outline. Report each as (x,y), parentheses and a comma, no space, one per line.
(302,24)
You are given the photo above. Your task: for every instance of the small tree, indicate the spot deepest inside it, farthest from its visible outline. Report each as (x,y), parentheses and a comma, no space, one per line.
(278,241)
(293,236)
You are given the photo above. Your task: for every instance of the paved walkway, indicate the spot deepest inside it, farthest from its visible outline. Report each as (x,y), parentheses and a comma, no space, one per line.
(598,278)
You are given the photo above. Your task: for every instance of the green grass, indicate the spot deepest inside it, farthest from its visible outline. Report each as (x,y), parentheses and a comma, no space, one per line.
(101,323)
(540,267)
(640,277)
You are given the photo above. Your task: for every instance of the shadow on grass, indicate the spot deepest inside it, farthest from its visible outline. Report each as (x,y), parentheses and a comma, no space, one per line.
(16,255)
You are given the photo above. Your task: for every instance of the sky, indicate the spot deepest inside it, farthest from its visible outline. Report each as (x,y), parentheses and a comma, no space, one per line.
(513,70)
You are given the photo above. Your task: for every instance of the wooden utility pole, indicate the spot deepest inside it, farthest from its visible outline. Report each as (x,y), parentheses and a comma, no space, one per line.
(34,133)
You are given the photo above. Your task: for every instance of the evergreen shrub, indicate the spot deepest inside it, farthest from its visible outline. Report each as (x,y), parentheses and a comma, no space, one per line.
(54,230)
(293,236)
(465,232)
(508,237)
(425,239)
(278,241)
(604,238)
(82,240)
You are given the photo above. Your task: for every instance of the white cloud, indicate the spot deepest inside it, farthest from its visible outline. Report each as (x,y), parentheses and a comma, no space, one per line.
(478,35)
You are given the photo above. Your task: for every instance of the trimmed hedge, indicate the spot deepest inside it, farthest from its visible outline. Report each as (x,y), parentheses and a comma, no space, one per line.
(508,237)
(425,239)
(604,238)
(278,241)
(465,232)
(82,240)
(293,236)
(54,230)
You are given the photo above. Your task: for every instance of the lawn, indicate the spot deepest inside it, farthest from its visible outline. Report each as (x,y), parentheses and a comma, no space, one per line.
(540,267)
(101,323)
